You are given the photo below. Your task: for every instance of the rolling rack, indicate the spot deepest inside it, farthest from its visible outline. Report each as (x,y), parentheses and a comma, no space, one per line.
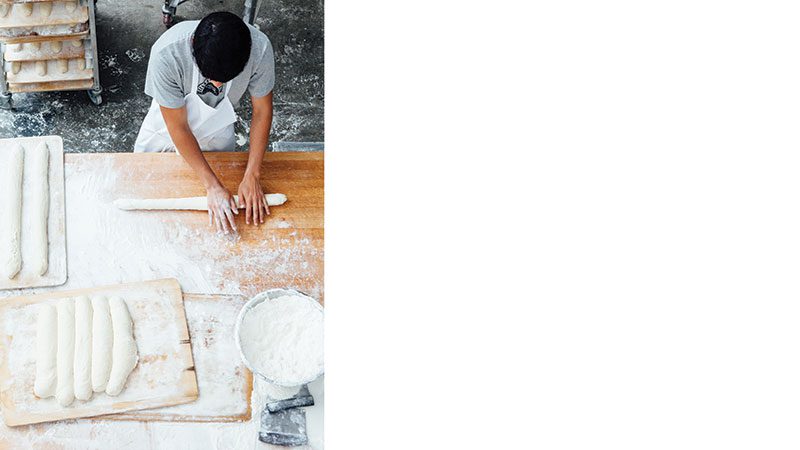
(48,46)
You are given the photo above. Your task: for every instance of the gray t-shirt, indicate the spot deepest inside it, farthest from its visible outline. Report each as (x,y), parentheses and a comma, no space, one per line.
(169,72)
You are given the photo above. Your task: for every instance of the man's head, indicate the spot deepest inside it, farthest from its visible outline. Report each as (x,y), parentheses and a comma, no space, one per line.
(221,46)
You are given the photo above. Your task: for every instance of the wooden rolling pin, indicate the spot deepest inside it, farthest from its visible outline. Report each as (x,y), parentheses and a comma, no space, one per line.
(185,203)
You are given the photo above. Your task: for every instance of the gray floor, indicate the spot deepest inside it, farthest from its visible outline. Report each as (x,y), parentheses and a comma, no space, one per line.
(126,30)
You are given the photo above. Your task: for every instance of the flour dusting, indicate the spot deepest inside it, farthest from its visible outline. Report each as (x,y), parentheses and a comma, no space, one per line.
(109,246)
(106,245)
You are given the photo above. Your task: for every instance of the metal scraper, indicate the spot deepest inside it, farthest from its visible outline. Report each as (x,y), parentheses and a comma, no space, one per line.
(283,422)
(302,398)
(285,427)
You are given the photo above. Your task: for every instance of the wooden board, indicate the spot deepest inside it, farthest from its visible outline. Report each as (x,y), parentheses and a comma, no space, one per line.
(76,70)
(225,384)
(16,18)
(286,251)
(44,38)
(26,1)
(77,85)
(37,51)
(164,375)
(57,265)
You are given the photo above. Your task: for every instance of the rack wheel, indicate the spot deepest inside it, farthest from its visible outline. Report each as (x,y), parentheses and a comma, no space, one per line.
(5,102)
(95,96)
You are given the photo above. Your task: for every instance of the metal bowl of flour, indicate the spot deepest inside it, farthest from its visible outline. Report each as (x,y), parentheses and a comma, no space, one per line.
(252,303)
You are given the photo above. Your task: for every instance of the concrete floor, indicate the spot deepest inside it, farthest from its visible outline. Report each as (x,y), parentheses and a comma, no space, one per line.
(126,30)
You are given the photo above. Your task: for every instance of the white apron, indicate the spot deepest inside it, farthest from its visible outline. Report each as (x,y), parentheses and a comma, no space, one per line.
(211,126)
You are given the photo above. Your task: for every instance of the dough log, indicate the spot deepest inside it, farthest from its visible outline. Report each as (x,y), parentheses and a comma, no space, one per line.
(40,206)
(65,389)
(101,343)
(186,203)
(11,212)
(46,346)
(124,354)
(82,367)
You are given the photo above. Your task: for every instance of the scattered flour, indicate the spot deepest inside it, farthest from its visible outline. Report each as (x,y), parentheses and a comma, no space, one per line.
(89,434)
(135,54)
(106,245)
(103,247)
(282,338)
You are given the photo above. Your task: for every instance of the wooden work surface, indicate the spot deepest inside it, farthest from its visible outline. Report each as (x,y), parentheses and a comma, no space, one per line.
(284,252)
(107,246)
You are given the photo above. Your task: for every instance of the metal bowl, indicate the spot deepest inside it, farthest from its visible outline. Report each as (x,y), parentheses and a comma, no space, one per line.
(259,298)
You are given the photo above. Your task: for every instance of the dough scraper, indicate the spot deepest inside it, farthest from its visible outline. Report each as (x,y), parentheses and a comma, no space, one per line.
(283,422)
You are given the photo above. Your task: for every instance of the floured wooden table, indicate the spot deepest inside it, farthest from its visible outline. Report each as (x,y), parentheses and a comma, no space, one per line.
(286,251)
(106,246)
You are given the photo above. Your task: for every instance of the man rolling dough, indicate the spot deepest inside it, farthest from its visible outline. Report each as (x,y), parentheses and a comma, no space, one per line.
(198,72)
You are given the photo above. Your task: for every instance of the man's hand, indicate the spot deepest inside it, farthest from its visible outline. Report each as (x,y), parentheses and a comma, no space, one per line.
(250,193)
(252,198)
(221,208)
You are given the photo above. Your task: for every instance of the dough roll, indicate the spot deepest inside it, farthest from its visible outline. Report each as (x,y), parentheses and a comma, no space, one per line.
(185,203)
(82,367)
(40,206)
(11,212)
(101,343)
(46,347)
(124,355)
(65,389)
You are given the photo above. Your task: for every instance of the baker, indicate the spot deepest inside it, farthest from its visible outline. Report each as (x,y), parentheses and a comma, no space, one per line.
(198,72)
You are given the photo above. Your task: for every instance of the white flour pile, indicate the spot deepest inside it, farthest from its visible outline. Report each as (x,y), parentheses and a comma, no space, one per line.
(283,339)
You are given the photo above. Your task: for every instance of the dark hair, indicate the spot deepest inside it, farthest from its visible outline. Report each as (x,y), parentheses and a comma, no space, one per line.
(221,46)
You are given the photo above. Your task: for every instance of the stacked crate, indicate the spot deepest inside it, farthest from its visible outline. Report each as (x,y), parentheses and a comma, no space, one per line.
(48,46)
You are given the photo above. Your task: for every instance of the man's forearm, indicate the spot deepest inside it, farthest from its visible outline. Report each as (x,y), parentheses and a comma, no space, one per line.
(260,126)
(188,147)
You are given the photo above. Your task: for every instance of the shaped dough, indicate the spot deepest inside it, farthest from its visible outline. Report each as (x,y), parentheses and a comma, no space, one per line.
(45,8)
(11,207)
(65,392)
(41,68)
(39,206)
(82,367)
(27,8)
(46,346)
(70,6)
(186,203)
(101,343)
(63,65)
(124,354)
(4,8)
(56,46)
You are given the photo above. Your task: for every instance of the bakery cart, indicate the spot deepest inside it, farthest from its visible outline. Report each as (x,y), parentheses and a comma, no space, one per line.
(48,46)
(169,8)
